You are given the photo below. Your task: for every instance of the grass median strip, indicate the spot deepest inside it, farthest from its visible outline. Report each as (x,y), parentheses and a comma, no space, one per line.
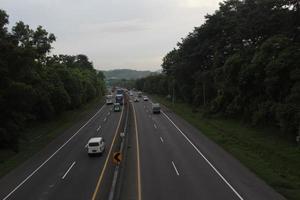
(263,151)
(41,134)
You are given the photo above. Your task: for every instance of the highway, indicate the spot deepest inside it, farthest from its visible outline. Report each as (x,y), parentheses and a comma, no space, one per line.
(176,161)
(63,170)
(167,158)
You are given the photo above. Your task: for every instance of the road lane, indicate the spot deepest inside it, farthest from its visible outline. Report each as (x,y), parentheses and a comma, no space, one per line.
(158,161)
(205,170)
(242,179)
(99,185)
(46,182)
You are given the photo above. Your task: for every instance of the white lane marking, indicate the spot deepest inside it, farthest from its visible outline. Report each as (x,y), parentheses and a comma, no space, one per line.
(105,119)
(37,169)
(201,154)
(108,113)
(162,140)
(175,168)
(98,129)
(86,145)
(154,125)
(64,176)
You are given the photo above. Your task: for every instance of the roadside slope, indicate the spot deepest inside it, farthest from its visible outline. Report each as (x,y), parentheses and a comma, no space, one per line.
(43,133)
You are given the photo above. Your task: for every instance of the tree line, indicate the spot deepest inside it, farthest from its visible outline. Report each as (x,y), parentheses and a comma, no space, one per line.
(243,62)
(35,86)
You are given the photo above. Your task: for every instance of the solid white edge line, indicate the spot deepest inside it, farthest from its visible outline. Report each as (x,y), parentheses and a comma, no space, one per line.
(200,153)
(37,169)
(175,168)
(64,176)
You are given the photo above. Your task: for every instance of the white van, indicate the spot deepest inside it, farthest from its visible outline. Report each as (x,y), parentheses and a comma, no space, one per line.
(96,145)
(109,99)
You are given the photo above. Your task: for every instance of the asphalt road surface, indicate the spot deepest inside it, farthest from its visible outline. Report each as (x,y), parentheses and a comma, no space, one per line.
(63,170)
(175,161)
(167,158)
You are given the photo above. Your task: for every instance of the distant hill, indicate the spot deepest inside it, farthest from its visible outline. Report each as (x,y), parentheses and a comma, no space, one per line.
(125,74)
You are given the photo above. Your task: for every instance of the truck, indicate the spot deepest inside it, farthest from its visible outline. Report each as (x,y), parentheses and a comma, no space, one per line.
(120,91)
(120,99)
(109,99)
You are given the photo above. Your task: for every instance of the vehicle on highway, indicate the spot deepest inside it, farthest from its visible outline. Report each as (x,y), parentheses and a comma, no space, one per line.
(139,94)
(96,145)
(109,99)
(117,107)
(145,98)
(155,108)
(120,99)
(136,99)
(131,93)
(120,91)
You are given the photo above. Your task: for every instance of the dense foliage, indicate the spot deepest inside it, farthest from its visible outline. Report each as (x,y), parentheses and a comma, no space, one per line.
(36,86)
(243,62)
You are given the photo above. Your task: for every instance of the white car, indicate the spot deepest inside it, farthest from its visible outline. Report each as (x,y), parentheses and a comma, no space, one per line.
(96,145)
(145,98)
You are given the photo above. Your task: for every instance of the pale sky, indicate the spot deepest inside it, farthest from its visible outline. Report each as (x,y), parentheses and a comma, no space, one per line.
(134,34)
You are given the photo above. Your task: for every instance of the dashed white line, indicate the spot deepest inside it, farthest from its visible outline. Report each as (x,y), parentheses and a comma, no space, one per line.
(98,129)
(202,155)
(37,169)
(105,119)
(162,140)
(154,125)
(175,168)
(64,176)
(86,145)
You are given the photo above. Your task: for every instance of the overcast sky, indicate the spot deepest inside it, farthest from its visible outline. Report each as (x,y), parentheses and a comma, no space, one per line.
(134,34)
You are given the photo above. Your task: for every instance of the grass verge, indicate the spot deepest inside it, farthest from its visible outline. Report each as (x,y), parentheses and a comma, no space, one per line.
(41,134)
(263,151)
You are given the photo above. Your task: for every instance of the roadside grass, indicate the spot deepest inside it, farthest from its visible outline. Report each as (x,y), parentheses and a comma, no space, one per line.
(262,150)
(41,134)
